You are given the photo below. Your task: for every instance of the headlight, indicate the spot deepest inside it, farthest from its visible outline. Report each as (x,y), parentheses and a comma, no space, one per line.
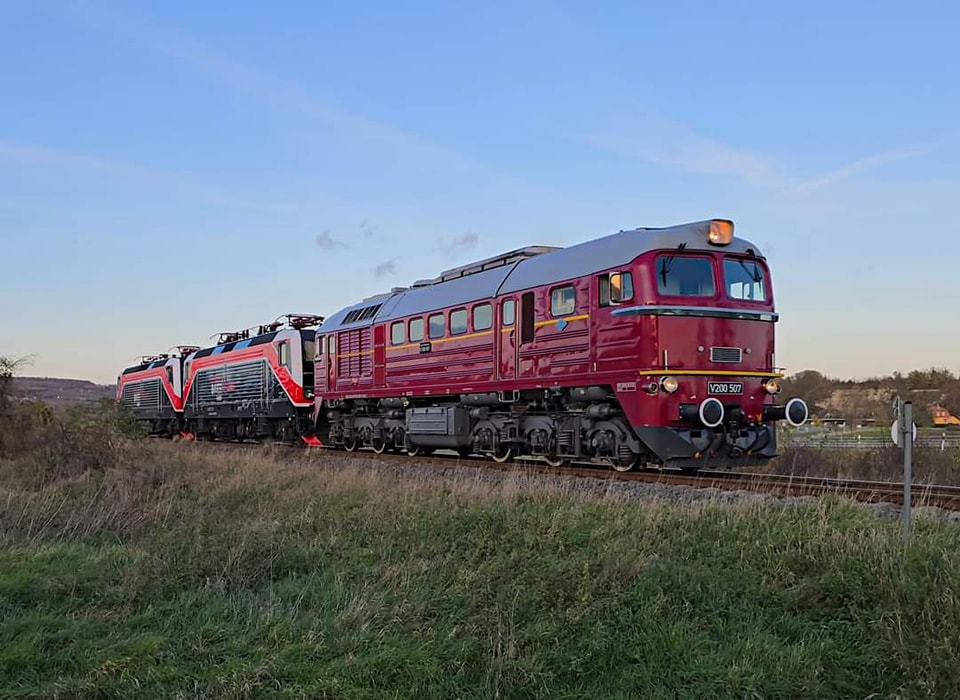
(669,384)
(772,386)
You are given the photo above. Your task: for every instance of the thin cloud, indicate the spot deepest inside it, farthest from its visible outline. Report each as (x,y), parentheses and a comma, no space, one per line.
(658,140)
(326,241)
(860,166)
(370,230)
(185,49)
(655,139)
(385,268)
(32,155)
(459,243)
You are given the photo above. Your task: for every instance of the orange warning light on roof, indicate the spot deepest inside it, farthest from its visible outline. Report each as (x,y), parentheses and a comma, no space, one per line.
(721,232)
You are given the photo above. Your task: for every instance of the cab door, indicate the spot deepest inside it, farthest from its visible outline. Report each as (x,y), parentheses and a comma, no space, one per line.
(507,337)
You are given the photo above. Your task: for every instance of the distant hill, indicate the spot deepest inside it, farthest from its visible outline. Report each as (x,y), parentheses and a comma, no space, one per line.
(61,392)
(933,391)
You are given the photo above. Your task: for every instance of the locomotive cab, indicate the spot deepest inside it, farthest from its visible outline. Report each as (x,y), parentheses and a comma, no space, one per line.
(710,381)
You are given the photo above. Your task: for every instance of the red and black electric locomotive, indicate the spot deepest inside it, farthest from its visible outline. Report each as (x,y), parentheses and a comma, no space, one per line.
(153,391)
(253,384)
(653,345)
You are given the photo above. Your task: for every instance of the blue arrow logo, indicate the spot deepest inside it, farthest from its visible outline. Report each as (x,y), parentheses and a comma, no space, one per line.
(562,323)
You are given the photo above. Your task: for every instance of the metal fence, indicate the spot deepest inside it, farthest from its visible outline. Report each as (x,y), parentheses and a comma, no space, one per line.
(861,442)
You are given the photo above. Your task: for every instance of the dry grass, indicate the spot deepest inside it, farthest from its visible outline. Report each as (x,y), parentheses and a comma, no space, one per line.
(208,571)
(930,464)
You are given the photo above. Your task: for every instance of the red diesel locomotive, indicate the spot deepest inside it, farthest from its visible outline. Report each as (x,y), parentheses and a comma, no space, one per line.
(653,345)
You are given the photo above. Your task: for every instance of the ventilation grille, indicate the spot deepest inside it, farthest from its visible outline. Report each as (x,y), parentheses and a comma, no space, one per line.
(730,355)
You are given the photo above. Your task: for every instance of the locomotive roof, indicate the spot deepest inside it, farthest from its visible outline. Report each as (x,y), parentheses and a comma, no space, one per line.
(241,343)
(527,268)
(159,362)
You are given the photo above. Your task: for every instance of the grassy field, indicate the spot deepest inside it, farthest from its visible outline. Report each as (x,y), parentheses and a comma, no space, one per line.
(221,573)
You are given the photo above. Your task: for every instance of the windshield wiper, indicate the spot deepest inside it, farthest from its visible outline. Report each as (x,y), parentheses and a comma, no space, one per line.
(756,275)
(666,262)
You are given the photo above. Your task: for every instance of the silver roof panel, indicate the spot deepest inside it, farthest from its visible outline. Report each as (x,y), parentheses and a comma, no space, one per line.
(610,251)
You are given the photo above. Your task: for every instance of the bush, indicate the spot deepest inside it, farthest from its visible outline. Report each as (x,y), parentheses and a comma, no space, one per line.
(41,446)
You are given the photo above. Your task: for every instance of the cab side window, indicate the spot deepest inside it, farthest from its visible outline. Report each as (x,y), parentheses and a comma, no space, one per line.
(508,312)
(615,288)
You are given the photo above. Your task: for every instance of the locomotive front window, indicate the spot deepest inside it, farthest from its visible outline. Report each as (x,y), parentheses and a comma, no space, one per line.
(685,277)
(744,280)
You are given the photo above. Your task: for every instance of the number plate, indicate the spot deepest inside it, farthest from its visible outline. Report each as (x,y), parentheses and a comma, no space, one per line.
(725,387)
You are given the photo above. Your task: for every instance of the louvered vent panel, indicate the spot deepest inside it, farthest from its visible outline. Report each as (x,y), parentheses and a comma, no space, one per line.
(728,355)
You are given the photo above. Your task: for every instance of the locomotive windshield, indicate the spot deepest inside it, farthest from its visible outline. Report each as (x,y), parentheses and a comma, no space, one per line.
(685,276)
(744,280)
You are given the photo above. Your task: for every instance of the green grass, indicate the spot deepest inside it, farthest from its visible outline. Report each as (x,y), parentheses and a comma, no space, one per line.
(216,574)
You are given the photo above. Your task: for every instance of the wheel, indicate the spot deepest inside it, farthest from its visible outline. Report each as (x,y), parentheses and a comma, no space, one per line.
(625,464)
(379,446)
(502,455)
(556,460)
(350,445)
(415,450)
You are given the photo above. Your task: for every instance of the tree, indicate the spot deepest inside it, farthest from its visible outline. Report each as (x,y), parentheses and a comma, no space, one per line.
(8,368)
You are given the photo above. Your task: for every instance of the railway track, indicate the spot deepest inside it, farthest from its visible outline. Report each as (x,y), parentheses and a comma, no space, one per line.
(940,496)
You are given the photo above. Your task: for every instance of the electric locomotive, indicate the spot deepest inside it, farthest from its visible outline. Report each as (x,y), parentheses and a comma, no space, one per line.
(153,391)
(650,345)
(253,384)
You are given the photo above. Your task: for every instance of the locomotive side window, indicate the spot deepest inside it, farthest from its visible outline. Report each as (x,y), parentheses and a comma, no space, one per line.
(332,346)
(508,312)
(437,326)
(744,280)
(284,351)
(397,333)
(483,317)
(615,288)
(458,322)
(416,330)
(170,374)
(563,300)
(685,277)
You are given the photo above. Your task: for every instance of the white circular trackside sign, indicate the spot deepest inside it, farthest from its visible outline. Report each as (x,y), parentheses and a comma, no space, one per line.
(895,433)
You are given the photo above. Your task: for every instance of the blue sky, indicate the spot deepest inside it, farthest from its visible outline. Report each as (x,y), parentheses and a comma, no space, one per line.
(173,169)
